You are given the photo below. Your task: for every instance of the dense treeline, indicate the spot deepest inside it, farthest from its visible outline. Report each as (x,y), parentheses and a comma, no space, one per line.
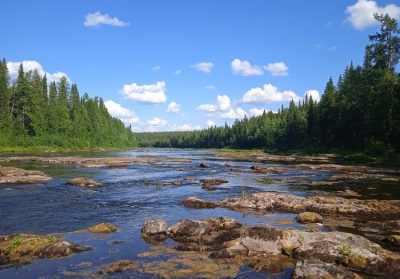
(34,112)
(360,112)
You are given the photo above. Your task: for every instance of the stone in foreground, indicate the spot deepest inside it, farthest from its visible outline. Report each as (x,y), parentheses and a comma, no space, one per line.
(312,269)
(309,217)
(154,226)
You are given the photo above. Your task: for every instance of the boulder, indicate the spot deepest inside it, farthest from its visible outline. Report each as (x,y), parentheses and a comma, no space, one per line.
(103,228)
(59,250)
(204,165)
(84,182)
(309,217)
(313,269)
(118,267)
(223,223)
(190,179)
(154,226)
(10,175)
(176,183)
(195,202)
(188,227)
(226,165)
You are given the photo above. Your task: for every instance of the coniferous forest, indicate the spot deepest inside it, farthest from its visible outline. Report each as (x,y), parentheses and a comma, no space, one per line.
(360,111)
(34,112)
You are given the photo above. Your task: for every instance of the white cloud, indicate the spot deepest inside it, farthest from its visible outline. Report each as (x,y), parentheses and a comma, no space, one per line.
(314,93)
(245,69)
(135,128)
(210,123)
(156,68)
(154,124)
(173,107)
(361,14)
(116,110)
(268,94)
(256,112)
(277,69)
(145,94)
(30,65)
(331,48)
(178,72)
(185,127)
(210,87)
(233,114)
(223,103)
(204,67)
(97,18)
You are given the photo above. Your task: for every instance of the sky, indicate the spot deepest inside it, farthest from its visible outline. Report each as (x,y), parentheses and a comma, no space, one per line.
(184,65)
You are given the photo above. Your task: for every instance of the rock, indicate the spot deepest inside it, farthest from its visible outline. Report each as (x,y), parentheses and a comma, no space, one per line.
(258,169)
(222,254)
(190,179)
(209,187)
(195,202)
(176,183)
(59,250)
(10,175)
(309,217)
(154,226)
(103,228)
(223,223)
(214,181)
(84,182)
(156,239)
(313,269)
(204,165)
(226,165)
(393,240)
(119,266)
(188,227)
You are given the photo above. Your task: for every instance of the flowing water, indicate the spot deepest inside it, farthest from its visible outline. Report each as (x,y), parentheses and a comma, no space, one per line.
(127,201)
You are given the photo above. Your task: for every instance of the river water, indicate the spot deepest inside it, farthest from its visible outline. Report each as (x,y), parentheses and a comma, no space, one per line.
(126,201)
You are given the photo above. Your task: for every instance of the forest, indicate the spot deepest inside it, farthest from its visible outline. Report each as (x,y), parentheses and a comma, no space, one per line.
(35,113)
(360,112)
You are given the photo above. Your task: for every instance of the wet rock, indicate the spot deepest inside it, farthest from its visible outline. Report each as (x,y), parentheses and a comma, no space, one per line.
(84,182)
(204,165)
(154,226)
(10,175)
(258,169)
(223,223)
(209,187)
(309,217)
(188,227)
(393,240)
(313,269)
(190,179)
(214,181)
(119,266)
(222,254)
(226,165)
(157,239)
(176,183)
(59,250)
(103,228)
(195,202)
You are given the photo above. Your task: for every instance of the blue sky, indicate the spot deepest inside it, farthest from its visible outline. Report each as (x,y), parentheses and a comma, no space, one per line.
(183,65)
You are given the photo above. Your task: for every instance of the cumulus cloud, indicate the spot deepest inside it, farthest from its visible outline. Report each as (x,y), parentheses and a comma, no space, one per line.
(314,94)
(233,114)
(29,65)
(256,112)
(203,66)
(178,72)
(361,14)
(223,103)
(245,69)
(155,124)
(268,94)
(173,107)
(116,110)
(210,87)
(97,18)
(277,69)
(210,123)
(156,68)
(145,94)
(185,127)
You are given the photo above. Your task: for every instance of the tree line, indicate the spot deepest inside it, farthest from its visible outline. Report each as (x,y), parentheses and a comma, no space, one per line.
(35,112)
(360,112)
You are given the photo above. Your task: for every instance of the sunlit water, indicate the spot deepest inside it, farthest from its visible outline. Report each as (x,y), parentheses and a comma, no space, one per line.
(126,201)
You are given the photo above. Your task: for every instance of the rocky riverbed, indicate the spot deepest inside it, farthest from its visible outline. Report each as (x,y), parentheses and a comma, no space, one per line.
(192,214)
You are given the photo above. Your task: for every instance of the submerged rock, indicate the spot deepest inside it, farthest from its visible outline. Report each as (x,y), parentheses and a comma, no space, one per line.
(214,181)
(209,187)
(119,266)
(309,217)
(154,226)
(313,269)
(204,165)
(195,202)
(11,175)
(103,228)
(84,182)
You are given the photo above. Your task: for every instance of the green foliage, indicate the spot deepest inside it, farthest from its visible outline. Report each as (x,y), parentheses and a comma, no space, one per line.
(17,241)
(33,114)
(344,249)
(54,239)
(244,193)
